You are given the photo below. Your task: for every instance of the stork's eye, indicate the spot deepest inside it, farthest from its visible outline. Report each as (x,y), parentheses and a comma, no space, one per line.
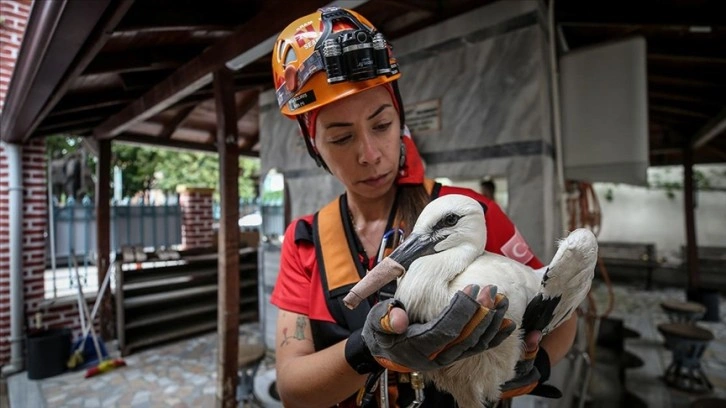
(448,221)
(451,220)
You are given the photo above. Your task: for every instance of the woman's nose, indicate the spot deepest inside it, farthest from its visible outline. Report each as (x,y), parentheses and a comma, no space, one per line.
(370,152)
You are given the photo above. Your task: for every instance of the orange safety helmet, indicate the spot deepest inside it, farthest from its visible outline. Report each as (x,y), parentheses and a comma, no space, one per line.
(326,56)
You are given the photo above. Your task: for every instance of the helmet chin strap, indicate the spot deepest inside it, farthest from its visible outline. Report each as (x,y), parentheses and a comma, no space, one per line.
(309,145)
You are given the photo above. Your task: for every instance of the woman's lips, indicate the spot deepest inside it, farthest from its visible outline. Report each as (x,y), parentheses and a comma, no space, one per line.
(375,181)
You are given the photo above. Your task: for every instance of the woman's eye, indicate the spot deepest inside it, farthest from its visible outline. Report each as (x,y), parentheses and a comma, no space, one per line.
(341,140)
(383,126)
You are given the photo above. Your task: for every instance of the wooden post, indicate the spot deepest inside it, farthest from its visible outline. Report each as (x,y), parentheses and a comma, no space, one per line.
(694,278)
(228,294)
(103,231)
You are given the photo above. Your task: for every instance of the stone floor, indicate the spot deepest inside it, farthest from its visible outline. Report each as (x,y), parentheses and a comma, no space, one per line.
(183,374)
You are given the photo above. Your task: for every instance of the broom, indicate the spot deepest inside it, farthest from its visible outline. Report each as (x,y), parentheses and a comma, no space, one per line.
(104,365)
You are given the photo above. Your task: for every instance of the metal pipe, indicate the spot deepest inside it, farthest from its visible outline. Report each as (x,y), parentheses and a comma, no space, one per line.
(14,153)
(51,227)
(556,119)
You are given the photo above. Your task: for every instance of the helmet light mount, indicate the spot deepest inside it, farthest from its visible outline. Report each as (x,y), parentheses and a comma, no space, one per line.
(357,54)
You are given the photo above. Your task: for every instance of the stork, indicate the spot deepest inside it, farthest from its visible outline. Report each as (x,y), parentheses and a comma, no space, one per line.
(444,253)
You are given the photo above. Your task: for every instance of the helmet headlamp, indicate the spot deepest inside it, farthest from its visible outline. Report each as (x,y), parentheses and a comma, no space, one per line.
(356,54)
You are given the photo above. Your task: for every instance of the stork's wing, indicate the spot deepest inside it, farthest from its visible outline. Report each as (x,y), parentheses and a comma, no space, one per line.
(565,283)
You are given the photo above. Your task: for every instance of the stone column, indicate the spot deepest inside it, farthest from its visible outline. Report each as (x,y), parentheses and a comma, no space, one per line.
(196,207)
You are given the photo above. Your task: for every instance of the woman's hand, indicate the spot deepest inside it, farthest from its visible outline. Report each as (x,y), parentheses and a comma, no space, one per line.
(473,322)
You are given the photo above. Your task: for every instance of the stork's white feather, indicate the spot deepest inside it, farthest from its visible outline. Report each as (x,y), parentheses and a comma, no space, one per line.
(454,228)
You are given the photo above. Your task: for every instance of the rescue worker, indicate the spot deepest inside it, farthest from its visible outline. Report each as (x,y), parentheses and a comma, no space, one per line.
(335,74)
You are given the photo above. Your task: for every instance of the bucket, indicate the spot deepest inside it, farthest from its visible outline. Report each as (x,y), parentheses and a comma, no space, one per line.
(48,352)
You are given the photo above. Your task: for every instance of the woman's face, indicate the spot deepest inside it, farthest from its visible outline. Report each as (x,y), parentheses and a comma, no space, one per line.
(359,139)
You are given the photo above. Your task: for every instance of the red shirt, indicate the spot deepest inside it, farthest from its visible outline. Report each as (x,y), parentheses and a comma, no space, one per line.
(299,286)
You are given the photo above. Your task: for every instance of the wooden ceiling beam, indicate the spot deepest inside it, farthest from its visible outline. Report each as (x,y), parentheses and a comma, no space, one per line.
(198,72)
(247,102)
(60,41)
(428,7)
(182,114)
(716,126)
(142,59)
(86,106)
(157,16)
(646,12)
(678,111)
(131,137)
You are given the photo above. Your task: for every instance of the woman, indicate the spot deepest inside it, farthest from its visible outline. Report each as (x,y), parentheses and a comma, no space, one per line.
(335,75)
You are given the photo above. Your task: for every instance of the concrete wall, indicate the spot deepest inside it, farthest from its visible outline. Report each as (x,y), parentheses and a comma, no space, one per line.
(639,214)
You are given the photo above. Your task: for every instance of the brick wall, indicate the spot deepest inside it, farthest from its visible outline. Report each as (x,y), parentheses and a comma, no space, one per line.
(13,20)
(196,207)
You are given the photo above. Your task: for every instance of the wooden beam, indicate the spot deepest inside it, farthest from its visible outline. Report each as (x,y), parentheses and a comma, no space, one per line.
(176,121)
(678,111)
(87,103)
(694,277)
(142,60)
(248,100)
(142,139)
(54,35)
(228,247)
(714,127)
(94,42)
(195,74)
(103,232)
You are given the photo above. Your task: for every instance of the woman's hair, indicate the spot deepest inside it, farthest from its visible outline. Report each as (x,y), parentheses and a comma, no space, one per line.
(412,198)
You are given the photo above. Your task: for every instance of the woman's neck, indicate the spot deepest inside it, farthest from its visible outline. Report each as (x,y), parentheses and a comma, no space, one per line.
(370,218)
(365,210)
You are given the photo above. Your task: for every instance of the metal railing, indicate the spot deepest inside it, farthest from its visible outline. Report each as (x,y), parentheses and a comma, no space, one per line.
(73,245)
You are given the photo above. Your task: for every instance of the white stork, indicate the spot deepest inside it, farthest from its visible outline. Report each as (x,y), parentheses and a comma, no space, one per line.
(444,253)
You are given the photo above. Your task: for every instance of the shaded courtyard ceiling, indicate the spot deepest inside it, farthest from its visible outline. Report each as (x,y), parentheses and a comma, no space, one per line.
(140,71)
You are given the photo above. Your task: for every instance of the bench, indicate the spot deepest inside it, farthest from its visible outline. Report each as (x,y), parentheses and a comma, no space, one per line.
(630,256)
(711,259)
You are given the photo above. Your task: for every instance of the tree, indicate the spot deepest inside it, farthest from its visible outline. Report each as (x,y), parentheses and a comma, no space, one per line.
(147,167)
(139,166)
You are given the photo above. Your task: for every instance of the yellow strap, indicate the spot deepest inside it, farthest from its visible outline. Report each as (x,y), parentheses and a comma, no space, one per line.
(334,246)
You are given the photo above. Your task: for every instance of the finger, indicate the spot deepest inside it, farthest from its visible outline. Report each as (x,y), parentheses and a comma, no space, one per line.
(487,296)
(398,320)
(531,340)
(471,290)
(394,320)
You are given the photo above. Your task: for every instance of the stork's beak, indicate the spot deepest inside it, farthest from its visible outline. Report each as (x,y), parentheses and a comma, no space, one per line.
(414,247)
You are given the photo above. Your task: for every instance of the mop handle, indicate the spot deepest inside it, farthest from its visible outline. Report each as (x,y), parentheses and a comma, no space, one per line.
(97,302)
(84,311)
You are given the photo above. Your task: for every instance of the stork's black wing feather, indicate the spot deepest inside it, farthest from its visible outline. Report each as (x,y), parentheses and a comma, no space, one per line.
(539,312)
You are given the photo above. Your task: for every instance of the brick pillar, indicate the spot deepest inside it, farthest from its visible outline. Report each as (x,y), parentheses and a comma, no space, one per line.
(196,207)
(13,20)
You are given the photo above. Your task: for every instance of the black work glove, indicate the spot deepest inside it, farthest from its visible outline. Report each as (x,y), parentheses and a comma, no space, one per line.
(464,328)
(531,373)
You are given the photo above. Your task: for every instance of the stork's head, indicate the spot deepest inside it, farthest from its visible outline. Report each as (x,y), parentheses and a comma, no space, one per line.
(452,225)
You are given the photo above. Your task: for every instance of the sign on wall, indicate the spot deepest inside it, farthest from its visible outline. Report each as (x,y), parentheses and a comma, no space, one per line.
(424,116)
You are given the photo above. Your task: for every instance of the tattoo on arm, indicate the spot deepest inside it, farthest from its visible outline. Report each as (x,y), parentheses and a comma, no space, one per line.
(299,331)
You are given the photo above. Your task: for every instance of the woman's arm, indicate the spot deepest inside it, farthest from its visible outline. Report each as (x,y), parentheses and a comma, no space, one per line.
(306,378)
(558,342)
